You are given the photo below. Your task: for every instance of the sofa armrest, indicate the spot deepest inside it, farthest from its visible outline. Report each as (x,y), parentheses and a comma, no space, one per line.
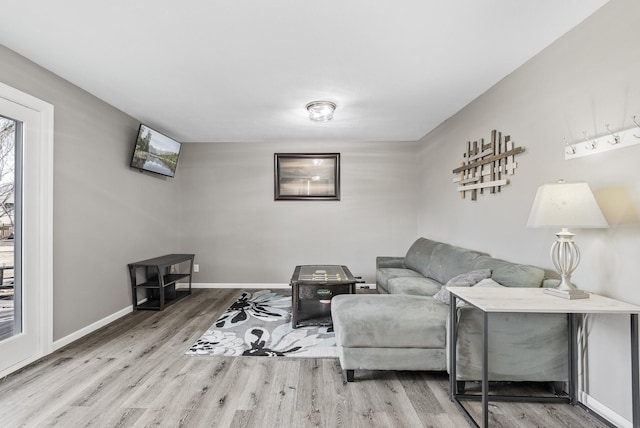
(389,262)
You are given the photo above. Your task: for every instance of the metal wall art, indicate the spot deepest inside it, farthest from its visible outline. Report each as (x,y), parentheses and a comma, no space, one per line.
(485,166)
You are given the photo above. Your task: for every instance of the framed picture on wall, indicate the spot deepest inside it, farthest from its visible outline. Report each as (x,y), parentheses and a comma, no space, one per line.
(307,176)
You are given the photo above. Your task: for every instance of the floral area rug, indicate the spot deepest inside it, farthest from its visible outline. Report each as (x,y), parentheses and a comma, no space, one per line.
(259,324)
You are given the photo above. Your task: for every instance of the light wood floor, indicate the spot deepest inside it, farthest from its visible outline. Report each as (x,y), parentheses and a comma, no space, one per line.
(132,373)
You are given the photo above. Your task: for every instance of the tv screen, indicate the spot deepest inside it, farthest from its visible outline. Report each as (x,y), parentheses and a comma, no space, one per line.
(155,152)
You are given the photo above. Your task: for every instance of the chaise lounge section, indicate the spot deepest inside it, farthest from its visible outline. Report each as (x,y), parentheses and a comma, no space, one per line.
(405,326)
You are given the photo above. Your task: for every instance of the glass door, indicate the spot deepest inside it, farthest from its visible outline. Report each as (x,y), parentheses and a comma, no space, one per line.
(10,230)
(26,228)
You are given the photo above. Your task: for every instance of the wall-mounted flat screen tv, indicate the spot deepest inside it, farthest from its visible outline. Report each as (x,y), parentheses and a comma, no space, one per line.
(155,152)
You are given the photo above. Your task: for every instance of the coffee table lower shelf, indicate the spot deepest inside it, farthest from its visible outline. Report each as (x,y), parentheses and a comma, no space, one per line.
(313,312)
(312,289)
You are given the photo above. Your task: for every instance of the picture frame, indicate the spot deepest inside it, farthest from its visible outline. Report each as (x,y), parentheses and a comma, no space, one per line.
(307,176)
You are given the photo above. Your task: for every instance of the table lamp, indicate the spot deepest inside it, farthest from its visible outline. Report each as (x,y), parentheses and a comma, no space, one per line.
(565,205)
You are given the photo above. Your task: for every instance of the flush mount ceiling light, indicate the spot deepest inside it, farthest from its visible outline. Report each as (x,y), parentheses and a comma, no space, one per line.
(321,111)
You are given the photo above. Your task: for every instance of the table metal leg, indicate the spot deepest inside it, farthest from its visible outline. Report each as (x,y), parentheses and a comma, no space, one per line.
(134,290)
(191,273)
(453,334)
(161,286)
(635,372)
(294,305)
(573,359)
(485,370)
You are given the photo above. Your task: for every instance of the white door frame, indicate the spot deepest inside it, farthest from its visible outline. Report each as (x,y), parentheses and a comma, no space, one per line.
(38,217)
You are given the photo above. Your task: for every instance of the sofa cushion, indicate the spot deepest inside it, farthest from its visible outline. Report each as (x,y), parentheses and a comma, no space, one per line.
(448,261)
(510,274)
(418,256)
(385,274)
(413,286)
(389,262)
(388,321)
(468,279)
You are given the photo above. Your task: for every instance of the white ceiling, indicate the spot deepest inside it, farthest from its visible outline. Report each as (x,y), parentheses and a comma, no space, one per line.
(243,70)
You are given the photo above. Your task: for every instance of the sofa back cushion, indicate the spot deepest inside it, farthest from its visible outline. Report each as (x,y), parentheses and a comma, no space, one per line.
(448,261)
(510,274)
(419,254)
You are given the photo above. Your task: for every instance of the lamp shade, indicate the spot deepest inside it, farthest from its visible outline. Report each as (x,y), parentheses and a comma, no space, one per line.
(566,205)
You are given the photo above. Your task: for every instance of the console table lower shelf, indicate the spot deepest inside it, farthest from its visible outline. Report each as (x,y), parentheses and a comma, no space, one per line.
(160,282)
(534,300)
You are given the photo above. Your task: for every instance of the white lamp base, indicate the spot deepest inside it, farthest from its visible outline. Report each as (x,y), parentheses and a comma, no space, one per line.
(565,256)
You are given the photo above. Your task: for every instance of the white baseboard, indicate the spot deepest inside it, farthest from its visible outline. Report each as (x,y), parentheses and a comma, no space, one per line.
(604,411)
(91,328)
(233,285)
(109,319)
(241,286)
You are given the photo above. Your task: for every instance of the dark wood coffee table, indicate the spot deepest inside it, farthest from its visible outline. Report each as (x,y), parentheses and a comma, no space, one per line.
(313,287)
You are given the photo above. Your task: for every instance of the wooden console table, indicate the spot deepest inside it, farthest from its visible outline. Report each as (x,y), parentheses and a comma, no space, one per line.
(160,284)
(534,300)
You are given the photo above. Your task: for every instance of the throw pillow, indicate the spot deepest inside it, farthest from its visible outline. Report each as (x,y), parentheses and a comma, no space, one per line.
(550,283)
(488,283)
(468,279)
(485,283)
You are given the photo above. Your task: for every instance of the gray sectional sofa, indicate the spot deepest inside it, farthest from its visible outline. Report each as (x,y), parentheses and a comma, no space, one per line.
(405,327)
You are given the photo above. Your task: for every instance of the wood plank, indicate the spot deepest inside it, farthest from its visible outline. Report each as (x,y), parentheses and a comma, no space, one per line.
(483,153)
(467,180)
(479,170)
(483,185)
(486,171)
(498,162)
(490,159)
(510,160)
(474,171)
(492,166)
(462,179)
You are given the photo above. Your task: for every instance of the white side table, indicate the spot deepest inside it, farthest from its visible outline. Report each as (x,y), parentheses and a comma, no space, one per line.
(534,300)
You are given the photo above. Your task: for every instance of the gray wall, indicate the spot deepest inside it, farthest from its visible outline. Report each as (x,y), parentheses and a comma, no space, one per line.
(241,235)
(587,79)
(105,214)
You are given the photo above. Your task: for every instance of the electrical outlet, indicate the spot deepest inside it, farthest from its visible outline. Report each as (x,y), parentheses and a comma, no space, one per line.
(196,268)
